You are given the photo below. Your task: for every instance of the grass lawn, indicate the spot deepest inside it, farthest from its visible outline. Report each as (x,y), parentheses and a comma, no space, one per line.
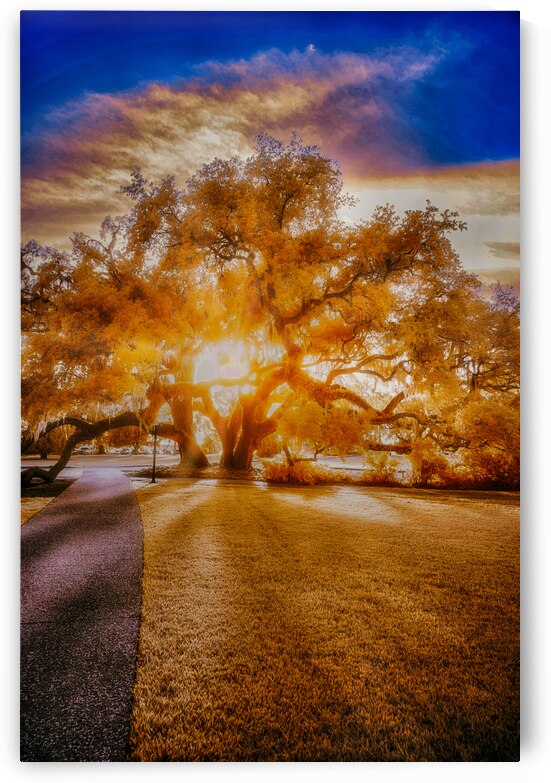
(318,624)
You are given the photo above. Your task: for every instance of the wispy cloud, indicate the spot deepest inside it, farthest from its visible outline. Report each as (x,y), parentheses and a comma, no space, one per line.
(351,105)
(505,276)
(344,102)
(486,189)
(504,249)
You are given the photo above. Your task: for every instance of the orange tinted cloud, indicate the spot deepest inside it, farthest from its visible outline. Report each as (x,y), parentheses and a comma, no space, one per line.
(488,188)
(505,276)
(504,249)
(85,150)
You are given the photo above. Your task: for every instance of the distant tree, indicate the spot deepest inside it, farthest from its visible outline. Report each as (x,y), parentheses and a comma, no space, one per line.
(52,443)
(126,436)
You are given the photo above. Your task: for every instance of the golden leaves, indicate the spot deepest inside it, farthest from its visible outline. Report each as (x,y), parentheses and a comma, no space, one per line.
(251,261)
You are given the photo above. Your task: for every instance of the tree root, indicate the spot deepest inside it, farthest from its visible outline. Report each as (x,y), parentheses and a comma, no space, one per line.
(30,473)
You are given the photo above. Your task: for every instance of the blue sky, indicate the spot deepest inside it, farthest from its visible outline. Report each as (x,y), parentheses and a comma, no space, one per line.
(467,109)
(413,105)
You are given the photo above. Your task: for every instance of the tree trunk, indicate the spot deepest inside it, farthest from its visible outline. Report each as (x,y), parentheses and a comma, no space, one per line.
(242,452)
(242,457)
(230,434)
(52,473)
(190,453)
(244,432)
(228,446)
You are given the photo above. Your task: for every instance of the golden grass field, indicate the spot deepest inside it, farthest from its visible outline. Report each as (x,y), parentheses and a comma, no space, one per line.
(31,506)
(327,623)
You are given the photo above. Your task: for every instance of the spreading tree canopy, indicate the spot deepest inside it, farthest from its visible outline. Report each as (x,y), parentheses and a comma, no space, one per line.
(246,301)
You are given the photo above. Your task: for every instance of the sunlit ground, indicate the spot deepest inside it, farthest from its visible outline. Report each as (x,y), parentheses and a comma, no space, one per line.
(327,624)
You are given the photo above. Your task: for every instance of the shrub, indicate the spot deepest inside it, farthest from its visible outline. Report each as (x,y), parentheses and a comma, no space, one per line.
(303,472)
(381,470)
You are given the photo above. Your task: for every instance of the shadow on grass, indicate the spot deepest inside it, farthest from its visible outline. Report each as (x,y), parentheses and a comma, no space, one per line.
(47,490)
(325,624)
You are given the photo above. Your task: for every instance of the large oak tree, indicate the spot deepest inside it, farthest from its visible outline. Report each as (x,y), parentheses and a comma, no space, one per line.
(374,332)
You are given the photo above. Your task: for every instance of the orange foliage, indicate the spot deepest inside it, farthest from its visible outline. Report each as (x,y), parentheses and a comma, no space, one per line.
(362,334)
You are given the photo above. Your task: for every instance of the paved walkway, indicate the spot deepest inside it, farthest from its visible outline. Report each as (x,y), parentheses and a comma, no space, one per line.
(81,570)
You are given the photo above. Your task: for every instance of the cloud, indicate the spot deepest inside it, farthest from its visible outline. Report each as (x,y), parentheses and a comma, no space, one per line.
(478,189)
(351,105)
(504,249)
(347,103)
(505,276)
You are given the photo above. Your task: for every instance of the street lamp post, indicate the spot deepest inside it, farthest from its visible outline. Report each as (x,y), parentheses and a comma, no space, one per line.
(154,454)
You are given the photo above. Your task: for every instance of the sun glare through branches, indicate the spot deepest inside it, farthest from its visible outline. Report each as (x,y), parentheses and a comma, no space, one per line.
(227,360)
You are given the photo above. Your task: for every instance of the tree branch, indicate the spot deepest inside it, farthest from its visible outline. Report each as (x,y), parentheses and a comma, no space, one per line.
(88,431)
(335,372)
(310,304)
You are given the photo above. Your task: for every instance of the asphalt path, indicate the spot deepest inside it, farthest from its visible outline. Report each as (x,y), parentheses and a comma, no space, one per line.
(81,572)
